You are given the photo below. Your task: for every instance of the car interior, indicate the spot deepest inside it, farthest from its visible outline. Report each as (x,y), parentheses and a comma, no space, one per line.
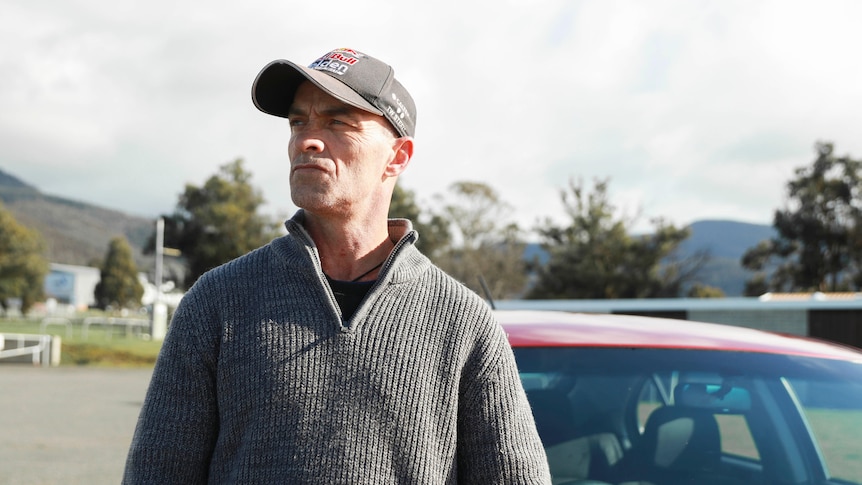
(660,419)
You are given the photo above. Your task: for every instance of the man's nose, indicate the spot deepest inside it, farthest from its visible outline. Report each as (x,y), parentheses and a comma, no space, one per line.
(308,141)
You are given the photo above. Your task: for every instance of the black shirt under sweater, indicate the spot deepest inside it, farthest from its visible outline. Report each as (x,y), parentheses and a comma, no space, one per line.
(349,295)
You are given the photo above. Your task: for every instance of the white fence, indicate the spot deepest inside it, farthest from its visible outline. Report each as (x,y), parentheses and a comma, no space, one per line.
(41,350)
(128,326)
(136,326)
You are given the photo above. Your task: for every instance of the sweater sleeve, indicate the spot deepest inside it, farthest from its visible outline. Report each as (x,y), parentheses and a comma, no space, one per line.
(497,437)
(178,424)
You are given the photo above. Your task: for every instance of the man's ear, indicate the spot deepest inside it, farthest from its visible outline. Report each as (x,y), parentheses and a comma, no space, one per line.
(403,153)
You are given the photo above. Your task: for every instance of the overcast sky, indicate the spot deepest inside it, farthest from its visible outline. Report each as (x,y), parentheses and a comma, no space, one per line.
(693,109)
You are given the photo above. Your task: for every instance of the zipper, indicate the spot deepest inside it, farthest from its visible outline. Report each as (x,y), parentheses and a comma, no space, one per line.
(321,277)
(376,287)
(333,303)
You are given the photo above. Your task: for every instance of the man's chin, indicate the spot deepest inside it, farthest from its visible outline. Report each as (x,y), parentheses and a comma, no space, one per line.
(310,200)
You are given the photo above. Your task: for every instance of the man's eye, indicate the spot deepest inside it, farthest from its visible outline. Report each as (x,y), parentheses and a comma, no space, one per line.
(295,122)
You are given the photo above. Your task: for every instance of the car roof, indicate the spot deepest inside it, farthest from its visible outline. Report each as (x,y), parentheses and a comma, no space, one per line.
(529,328)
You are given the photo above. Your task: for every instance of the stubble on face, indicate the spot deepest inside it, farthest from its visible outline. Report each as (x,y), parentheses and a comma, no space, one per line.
(337,152)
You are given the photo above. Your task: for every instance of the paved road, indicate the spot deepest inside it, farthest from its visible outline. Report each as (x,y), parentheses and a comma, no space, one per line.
(67,425)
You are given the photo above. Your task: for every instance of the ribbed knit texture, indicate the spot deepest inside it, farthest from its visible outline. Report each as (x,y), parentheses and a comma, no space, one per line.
(258,380)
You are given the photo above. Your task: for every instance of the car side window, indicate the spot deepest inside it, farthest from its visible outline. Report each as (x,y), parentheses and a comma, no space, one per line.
(652,395)
(736,436)
(833,411)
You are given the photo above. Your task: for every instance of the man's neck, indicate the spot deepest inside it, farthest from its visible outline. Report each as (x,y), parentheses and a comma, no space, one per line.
(349,249)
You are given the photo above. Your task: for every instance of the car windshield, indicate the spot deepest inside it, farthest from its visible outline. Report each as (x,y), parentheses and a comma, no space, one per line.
(668,416)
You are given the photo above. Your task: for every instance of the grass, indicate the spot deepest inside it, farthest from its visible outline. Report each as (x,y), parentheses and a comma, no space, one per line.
(101,347)
(838,432)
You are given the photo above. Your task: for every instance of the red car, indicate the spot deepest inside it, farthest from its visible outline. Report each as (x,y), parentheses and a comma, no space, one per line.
(637,400)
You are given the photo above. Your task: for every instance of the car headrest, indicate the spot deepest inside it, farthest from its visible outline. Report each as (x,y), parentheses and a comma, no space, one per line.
(683,438)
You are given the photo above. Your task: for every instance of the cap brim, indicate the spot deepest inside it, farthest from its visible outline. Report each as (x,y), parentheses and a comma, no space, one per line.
(275,86)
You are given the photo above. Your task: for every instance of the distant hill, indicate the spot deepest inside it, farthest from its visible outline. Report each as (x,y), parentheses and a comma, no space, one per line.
(79,233)
(724,241)
(75,232)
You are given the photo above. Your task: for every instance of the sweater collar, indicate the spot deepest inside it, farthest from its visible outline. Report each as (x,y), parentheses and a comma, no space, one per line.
(398,228)
(404,263)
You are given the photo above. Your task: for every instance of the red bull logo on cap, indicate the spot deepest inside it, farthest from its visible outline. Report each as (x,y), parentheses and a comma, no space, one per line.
(337,61)
(351,52)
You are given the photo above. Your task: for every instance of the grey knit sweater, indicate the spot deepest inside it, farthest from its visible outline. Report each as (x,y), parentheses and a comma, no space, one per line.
(259,380)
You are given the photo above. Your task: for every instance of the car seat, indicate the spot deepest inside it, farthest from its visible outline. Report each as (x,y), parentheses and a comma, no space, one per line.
(679,445)
(570,456)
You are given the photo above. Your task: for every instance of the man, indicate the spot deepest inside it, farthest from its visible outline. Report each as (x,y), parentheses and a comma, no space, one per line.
(338,353)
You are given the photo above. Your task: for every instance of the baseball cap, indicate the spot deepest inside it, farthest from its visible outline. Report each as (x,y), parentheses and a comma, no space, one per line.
(346,74)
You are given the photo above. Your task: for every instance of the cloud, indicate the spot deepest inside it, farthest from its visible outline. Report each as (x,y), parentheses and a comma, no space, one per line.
(692,109)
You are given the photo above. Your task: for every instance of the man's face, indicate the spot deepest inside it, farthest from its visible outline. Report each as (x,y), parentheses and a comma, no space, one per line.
(338,154)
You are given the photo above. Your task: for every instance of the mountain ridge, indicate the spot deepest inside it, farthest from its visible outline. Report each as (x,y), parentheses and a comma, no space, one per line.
(75,232)
(79,233)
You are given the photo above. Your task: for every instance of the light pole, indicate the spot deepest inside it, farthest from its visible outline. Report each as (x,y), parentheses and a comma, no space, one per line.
(159,322)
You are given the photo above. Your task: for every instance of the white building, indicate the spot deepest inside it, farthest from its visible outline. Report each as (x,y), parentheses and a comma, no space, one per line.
(72,285)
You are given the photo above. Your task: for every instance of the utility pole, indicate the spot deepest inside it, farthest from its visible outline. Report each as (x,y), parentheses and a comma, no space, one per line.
(159,322)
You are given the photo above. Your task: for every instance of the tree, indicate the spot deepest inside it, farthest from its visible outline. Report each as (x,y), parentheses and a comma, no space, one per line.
(490,249)
(219,221)
(22,262)
(818,245)
(595,257)
(119,286)
(699,290)
(434,235)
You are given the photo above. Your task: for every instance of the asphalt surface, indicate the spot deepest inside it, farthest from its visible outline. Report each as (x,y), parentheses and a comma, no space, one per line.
(67,425)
